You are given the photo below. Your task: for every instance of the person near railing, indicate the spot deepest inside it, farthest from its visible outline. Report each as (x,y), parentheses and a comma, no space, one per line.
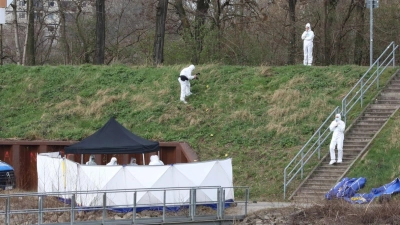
(338,127)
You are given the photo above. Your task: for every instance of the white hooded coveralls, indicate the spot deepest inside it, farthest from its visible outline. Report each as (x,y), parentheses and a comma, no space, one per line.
(308,37)
(338,127)
(113,162)
(155,161)
(91,161)
(185,85)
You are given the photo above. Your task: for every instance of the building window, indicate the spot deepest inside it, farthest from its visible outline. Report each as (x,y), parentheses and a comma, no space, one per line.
(83,4)
(21,3)
(51,4)
(21,15)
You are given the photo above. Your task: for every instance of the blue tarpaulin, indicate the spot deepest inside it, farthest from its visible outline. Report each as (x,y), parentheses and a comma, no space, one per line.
(347,189)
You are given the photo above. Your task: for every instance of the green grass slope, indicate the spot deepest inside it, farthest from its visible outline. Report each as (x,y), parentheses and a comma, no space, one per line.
(258,116)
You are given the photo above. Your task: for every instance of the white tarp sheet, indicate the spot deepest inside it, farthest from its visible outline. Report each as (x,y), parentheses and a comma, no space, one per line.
(2,15)
(59,175)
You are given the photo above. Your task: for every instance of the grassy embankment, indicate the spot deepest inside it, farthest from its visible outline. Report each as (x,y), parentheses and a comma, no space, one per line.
(258,116)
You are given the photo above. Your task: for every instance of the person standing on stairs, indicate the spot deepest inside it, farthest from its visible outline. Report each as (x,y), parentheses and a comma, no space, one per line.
(338,127)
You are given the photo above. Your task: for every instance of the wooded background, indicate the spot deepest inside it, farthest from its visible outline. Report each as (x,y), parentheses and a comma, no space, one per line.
(242,32)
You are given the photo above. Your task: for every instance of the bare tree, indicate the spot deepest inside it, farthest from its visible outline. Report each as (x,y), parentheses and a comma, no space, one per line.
(82,33)
(359,42)
(63,33)
(161,11)
(292,35)
(29,51)
(100,31)
(16,36)
(199,31)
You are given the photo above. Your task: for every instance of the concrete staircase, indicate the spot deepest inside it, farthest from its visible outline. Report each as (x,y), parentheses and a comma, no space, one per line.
(356,141)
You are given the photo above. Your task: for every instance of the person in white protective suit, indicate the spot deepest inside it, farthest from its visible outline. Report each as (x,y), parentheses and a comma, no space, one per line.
(154,160)
(338,127)
(91,161)
(113,162)
(133,162)
(184,80)
(308,37)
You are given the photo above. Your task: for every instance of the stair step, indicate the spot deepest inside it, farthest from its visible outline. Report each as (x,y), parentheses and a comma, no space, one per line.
(334,167)
(374,118)
(350,155)
(329,172)
(325,177)
(317,192)
(382,107)
(365,129)
(376,110)
(392,88)
(345,161)
(353,145)
(354,138)
(388,101)
(371,113)
(352,151)
(370,122)
(389,95)
(322,186)
(360,133)
(366,126)
(355,142)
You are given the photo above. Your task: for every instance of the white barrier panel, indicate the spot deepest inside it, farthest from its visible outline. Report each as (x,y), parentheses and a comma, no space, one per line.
(59,174)
(2,15)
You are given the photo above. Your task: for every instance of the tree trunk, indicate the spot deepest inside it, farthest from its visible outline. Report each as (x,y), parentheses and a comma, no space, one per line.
(16,36)
(341,34)
(187,34)
(30,36)
(329,19)
(158,55)
(86,52)
(359,42)
(201,13)
(292,33)
(63,33)
(100,31)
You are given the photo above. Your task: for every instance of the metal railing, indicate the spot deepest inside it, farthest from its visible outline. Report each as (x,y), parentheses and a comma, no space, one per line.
(311,151)
(32,207)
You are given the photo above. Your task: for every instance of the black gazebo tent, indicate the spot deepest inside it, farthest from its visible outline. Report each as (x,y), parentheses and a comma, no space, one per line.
(113,138)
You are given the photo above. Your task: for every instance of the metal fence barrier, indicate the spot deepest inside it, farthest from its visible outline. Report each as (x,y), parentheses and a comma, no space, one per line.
(43,208)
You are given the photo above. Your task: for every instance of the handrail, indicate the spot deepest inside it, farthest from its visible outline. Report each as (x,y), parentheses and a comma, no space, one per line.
(354,96)
(10,212)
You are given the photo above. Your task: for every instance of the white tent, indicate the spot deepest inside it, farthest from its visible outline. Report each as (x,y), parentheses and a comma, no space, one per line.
(58,175)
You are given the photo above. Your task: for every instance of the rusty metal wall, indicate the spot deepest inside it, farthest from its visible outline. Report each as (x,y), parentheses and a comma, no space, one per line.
(22,156)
